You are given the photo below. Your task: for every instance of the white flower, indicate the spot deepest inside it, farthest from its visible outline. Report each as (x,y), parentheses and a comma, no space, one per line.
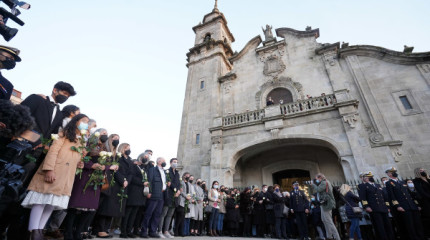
(180,179)
(188,195)
(118,154)
(54,136)
(83,132)
(167,171)
(264,198)
(174,189)
(102,153)
(109,154)
(97,134)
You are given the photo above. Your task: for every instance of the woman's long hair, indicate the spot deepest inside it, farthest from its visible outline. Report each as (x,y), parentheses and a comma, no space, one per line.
(344,189)
(121,148)
(109,146)
(213,183)
(70,129)
(418,173)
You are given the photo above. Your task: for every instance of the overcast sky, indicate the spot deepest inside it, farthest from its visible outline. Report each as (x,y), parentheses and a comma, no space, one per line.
(126,59)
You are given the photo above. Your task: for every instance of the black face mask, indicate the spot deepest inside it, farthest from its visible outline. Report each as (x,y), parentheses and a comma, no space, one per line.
(127,152)
(163,164)
(198,183)
(203,186)
(8,64)
(103,138)
(394,174)
(187,178)
(191,181)
(61,98)
(115,143)
(423,174)
(144,160)
(371,179)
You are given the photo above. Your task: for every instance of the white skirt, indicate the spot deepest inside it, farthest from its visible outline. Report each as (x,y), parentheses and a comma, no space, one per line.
(33,198)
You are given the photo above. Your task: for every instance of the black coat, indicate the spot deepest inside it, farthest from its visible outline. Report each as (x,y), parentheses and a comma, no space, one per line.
(135,187)
(170,191)
(41,109)
(399,195)
(109,200)
(298,201)
(278,207)
(232,213)
(259,210)
(156,183)
(423,196)
(245,203)
(373,196)
(352,201)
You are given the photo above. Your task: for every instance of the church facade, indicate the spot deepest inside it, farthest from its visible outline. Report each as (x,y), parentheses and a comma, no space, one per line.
(287,107)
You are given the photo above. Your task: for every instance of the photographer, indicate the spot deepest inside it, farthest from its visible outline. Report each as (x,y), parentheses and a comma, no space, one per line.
(324,194)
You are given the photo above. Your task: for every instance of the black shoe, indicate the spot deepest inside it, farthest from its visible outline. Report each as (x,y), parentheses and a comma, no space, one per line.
(154,235)
(123,236)
(144,236)
(130,235)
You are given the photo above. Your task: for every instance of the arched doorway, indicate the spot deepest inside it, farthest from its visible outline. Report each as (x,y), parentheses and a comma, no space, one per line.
(271,161)
(280,96)
(285,178)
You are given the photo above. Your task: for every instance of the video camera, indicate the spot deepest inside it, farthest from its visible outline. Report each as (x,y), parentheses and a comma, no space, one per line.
(11,185)
(7,32)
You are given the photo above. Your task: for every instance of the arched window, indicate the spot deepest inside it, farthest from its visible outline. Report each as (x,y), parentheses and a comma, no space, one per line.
(207,37)
(279,96)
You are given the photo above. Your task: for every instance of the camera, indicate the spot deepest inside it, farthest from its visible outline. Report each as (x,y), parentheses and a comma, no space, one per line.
(11,185)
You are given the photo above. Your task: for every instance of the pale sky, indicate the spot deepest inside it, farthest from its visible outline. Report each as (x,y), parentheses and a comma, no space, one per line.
(126,59)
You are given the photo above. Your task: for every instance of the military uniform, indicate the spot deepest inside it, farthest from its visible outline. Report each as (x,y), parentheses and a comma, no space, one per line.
(400,197)
(299,203)
(372,196)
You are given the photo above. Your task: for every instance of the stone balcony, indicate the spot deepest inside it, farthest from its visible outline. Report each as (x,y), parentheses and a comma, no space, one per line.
(283,111)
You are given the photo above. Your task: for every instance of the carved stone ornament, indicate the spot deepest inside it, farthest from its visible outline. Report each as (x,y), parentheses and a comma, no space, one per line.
(273,66)
(227,87)
(275,132)
(271,56)
(396,152)
(217,142)
(350,119)
(374,136)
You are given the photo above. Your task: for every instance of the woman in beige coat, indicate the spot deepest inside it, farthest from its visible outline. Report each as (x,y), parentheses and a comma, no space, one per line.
(51,186)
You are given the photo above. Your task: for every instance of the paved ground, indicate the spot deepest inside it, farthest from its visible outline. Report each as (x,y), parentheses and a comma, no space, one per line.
(195,238)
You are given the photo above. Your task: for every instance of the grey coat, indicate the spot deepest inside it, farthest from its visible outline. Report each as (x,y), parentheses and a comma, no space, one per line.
(199,206)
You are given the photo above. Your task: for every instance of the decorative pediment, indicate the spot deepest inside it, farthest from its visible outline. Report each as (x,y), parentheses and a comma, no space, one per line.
(295,88)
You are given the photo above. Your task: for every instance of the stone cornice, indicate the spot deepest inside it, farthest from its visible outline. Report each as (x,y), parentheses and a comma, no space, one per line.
(281,32)
(328,48)
(213,55)
(208,45)
(219,17)
(228,77)
(252,44)
(386,54)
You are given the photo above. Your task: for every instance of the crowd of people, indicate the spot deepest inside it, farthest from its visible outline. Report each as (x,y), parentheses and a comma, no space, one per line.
(81,179)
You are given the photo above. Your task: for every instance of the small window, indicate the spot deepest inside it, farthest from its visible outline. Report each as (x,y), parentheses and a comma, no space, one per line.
(197,139)
(207,37)
(405,102)
(202,84)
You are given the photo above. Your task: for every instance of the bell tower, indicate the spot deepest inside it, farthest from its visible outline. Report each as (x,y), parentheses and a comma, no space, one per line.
(207,60)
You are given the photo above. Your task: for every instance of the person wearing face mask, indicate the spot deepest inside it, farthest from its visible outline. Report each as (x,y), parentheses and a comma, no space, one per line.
(180,209)
(377,205)
(69,112)
(83,205)
(8,58)
(51,187)
(214,201)
(406,211)
(324,192)
(170,195)
(259,215)
(278,208)
(422,186)
(198,218)
(299,206)
(190,191)
(105,212)
(154,204)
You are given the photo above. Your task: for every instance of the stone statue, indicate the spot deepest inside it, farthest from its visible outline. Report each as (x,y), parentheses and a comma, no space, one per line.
(267,32)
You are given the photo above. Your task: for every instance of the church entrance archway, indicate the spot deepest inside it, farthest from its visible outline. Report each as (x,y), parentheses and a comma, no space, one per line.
(290,159)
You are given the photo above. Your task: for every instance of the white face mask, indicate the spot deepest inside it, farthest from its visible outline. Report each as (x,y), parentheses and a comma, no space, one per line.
(93,130)
(174,165)
(411,185)
(264,189)
(385,182)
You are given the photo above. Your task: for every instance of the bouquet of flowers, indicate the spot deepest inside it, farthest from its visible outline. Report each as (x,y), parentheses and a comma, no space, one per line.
(81,150)
(236,198)
(115,161)
(97,176)
(195,199)
(187,203)
(168,177)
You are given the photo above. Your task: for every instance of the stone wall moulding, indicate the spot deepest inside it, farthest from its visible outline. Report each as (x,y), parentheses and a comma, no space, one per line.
(425,71)
(351,119)
(271,56)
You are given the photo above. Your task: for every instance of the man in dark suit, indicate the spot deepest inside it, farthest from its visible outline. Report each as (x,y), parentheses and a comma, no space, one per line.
(406,210)
(46,110)
(299,206)
(8,58)
(154,204)
(377,205)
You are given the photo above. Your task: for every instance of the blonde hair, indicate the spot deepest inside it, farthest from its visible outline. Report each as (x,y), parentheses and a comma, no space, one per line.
(109,146)
(344,189)
(121,148)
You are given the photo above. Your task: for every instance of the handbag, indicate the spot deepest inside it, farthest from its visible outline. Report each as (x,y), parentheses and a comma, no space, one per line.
(208,208)
(355,209)
(285,211)
(105,185)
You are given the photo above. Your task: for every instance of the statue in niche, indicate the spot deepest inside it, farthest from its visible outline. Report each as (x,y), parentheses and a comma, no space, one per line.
(267,32)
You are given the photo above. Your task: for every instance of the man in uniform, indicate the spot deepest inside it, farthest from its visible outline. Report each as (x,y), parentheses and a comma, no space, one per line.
(299,206)
(8,58)
(374,202)
(406,210)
